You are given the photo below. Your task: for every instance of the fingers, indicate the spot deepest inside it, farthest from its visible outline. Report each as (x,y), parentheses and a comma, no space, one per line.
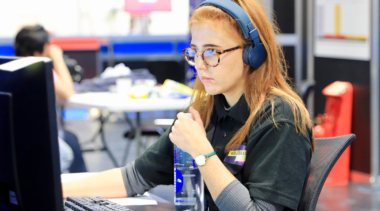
(181,115)
(196,116)
(55,46)
(171,137)
(195,113)
(175,128)
(55,52)
(184,117)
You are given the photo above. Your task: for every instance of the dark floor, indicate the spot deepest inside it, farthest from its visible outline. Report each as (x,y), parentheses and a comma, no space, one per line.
(354,197)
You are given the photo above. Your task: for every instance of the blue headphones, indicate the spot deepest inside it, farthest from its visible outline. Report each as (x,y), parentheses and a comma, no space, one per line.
(254,53)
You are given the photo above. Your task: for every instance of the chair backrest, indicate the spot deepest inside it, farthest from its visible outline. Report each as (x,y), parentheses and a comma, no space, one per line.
(305,87)
(327,152)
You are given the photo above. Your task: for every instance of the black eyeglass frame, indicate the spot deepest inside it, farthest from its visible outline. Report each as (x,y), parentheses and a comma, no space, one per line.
(218,53)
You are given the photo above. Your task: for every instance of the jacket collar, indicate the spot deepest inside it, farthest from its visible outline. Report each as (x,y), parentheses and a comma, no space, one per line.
(240,111)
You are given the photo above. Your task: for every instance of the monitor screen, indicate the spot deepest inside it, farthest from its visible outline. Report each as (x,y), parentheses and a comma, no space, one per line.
(29,156)
(141,7)
(7,182)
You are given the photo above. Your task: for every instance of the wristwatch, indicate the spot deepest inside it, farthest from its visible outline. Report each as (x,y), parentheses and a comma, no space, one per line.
(200,160)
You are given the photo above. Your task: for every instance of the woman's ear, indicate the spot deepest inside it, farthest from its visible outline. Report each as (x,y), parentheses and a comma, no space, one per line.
(247,69)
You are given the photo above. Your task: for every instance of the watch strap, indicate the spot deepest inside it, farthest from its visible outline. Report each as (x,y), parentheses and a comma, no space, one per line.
(210,154)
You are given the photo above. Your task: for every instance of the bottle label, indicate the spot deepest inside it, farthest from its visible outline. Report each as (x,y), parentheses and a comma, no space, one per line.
(185,201)
(178,180)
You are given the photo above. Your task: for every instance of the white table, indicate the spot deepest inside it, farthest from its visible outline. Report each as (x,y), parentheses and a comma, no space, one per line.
(120,103)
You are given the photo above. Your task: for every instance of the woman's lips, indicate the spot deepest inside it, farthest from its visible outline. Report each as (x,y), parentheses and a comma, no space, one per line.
(205,79)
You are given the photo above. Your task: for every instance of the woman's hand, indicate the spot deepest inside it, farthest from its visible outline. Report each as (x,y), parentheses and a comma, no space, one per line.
(64,88)
(55,52)
(190,135)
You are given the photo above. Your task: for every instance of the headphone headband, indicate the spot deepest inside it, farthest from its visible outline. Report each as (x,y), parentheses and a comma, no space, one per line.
(236,12)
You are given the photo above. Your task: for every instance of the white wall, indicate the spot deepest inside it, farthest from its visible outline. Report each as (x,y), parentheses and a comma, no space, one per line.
(87,17)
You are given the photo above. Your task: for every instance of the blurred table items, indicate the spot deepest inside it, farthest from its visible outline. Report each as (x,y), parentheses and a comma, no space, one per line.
(103,84)
(174,90)
(120,70)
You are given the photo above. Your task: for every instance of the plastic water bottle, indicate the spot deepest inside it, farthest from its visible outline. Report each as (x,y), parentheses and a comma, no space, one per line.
(188,182)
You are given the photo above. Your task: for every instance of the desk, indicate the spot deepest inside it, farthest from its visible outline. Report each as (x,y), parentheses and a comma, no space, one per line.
(120,103)
(162,204)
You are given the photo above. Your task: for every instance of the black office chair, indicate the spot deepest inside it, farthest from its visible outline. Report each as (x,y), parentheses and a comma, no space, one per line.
(327,152)
(305,88)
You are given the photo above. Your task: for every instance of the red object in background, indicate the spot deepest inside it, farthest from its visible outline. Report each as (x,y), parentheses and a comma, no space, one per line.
(144,7)
(337,122)
(77,43)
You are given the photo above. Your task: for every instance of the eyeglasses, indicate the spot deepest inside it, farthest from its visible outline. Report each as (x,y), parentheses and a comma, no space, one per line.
(210,56)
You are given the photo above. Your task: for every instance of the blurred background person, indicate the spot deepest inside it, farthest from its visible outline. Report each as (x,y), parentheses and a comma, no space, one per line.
(34,41)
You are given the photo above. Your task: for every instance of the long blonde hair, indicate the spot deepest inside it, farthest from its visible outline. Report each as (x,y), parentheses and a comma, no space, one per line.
(269,79)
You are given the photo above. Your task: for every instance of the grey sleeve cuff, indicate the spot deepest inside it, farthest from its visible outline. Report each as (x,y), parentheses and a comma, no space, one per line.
(134,183)
(236,197)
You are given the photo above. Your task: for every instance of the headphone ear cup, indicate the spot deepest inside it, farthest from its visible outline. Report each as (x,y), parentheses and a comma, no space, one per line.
(246,54)
(254,56)
(258,55)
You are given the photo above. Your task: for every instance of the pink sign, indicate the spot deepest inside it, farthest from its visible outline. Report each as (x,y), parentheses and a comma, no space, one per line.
(138,7)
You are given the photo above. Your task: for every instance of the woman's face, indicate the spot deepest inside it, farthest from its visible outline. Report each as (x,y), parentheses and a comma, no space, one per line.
(229,76)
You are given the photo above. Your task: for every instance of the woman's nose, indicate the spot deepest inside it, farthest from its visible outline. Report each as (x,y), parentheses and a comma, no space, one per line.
(199,63)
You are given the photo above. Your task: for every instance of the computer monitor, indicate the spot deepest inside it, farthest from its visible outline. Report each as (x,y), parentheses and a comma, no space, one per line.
(5,59)
(29,156)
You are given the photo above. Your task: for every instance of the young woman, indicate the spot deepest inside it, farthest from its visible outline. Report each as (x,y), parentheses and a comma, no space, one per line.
(242,105)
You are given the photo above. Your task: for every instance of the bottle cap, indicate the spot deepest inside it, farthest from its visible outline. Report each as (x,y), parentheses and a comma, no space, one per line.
(189,115)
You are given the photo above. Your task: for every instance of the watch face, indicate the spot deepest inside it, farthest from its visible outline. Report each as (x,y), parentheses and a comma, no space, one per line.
(200,160)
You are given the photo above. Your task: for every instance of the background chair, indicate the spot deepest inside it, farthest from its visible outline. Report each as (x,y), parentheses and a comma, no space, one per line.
(305,88)
(327,152)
